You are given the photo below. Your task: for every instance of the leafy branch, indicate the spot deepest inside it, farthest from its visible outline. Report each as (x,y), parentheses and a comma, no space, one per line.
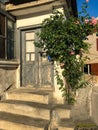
(63,41)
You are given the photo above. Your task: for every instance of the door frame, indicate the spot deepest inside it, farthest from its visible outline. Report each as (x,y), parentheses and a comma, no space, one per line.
(19,47)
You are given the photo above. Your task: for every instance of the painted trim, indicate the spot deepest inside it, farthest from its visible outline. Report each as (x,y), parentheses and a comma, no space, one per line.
(7,15)
(9,64)
(29,27)
(11,7)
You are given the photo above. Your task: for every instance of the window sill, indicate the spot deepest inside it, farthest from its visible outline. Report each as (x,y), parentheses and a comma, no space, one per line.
(9,63)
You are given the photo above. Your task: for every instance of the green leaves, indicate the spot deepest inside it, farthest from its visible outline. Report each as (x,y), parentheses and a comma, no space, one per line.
(63,40)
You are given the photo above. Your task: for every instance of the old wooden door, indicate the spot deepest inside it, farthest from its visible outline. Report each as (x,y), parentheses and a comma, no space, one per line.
(36,70)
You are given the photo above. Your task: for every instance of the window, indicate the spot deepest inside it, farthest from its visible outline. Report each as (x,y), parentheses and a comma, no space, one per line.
(30,48)
(10,39)
(91,69)
(87,68)
(2,36)
(6,38)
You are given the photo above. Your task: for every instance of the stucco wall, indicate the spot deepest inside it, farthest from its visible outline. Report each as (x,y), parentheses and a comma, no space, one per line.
(93,52)
(8,75)
(58,94)
(93,55)
(94,104)
(7,78)
(33,20)
(82,109)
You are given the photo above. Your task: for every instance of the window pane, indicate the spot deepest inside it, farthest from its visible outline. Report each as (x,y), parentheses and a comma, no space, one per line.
(2,48)
(30,46)
(10,39)
(10,24)
(2,36)
(10,49)
(32,57)
(27,57)
(87,68)
(30,36)
(6,38)
(2,25)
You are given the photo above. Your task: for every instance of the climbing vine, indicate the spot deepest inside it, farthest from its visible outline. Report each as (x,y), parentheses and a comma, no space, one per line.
(63,40)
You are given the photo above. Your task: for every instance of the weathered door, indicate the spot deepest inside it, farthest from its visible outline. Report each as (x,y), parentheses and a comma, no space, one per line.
(36,70)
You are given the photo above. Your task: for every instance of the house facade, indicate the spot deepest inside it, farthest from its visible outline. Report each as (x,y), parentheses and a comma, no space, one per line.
(8,64)
(22,20)
(24,65)
(91,67)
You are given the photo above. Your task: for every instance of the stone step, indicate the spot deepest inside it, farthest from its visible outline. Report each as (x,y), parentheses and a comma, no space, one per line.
(10,121)
(29,95)
(70,124)
(31,109)
(65,128)
(33,89)
(66,124)
(62,111)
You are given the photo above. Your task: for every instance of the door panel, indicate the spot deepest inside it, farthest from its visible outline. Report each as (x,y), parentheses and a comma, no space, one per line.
(36,70)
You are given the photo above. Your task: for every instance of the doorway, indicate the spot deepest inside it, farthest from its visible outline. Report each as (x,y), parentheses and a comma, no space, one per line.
(36,70)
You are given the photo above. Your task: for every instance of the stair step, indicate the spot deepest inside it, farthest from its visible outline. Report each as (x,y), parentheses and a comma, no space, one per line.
(62,111)
(65,128)
(66,124)
(32,109)
(33,90)
(26,108)
(33,96)
(10,121)
(69,124)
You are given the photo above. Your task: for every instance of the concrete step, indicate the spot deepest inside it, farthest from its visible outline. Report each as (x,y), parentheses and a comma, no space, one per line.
(30,109)
(10,121)
(29,95)
(62,111)
(65,128)
(70,124)
(66,124)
